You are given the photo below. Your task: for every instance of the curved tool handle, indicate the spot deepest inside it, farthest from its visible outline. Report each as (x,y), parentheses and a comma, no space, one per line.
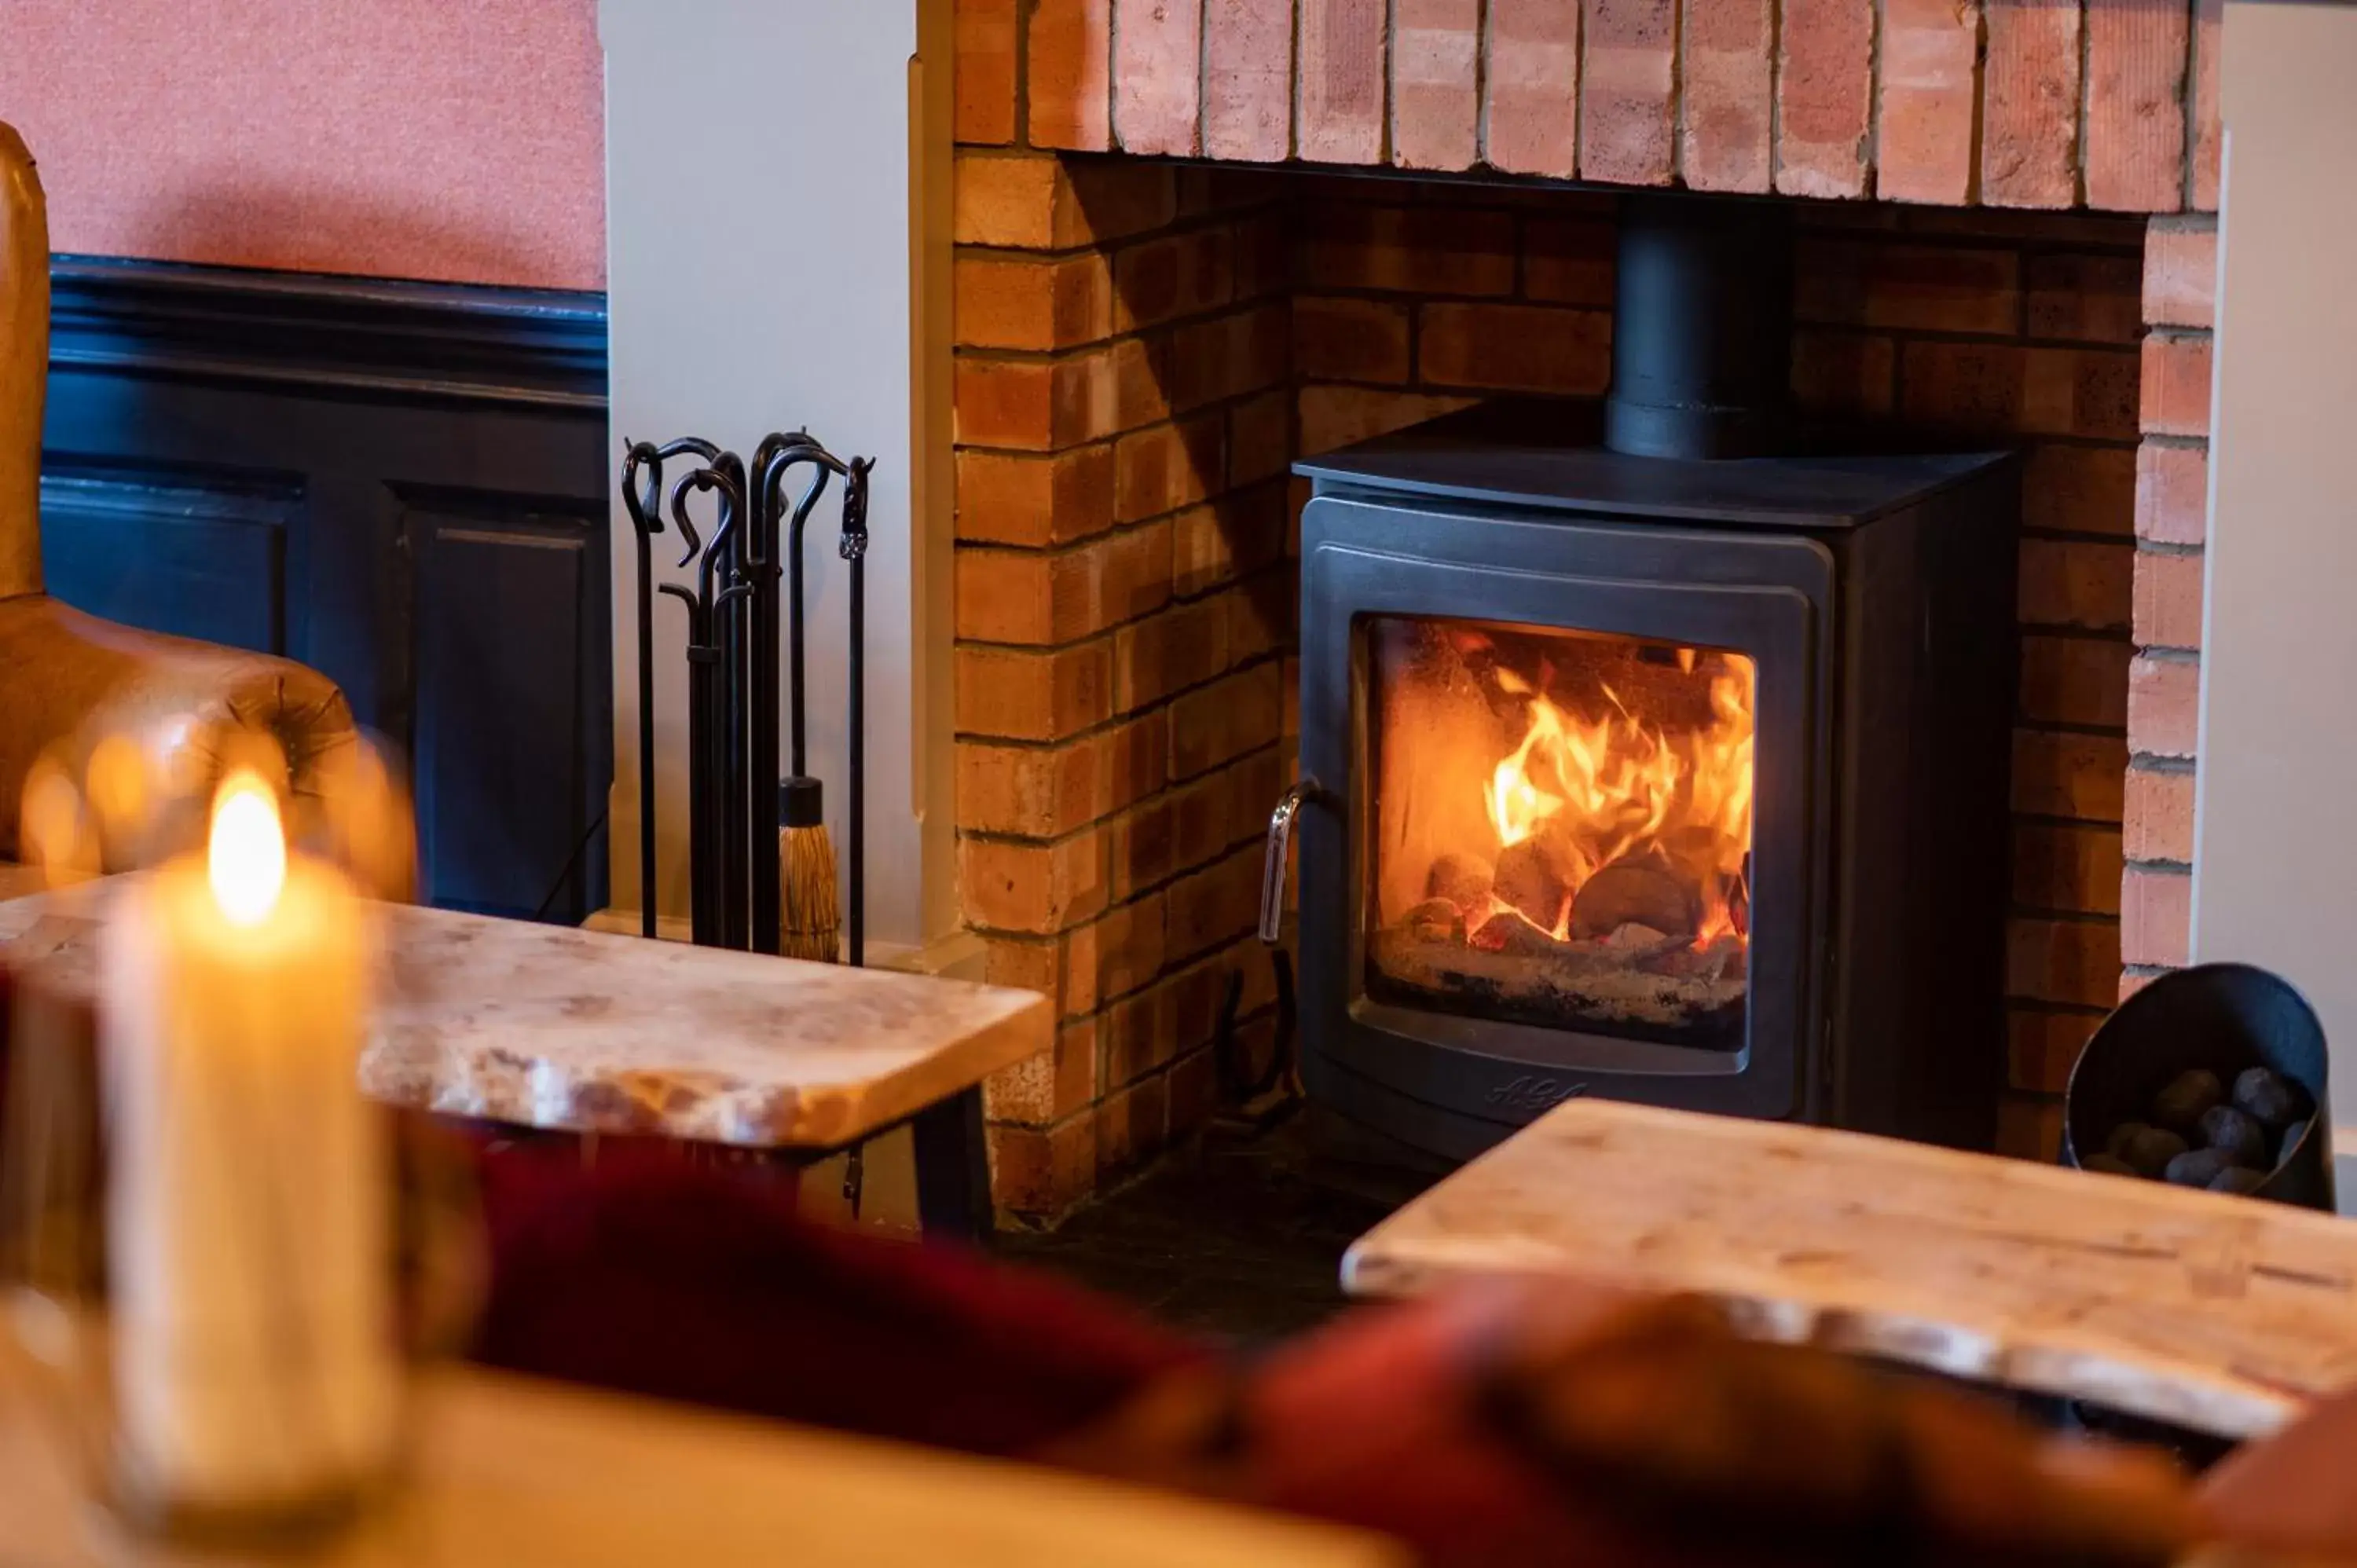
(1280,844)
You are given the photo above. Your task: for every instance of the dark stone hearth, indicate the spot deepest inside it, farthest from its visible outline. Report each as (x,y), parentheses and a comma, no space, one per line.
(1240,1237)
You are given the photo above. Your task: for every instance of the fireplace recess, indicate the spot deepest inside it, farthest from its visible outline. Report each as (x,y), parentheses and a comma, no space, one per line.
(1651,749)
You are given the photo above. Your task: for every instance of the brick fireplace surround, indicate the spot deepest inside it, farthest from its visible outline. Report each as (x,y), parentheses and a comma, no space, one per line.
(2005,234)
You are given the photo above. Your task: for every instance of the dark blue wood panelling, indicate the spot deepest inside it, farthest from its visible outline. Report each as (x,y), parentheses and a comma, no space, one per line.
(403,485)
(207,562)
(512,647)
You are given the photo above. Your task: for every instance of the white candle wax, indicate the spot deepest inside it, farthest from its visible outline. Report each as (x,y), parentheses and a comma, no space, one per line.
(254,1357)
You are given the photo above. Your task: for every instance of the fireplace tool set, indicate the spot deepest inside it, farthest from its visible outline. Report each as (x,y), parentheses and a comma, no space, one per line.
(744,893)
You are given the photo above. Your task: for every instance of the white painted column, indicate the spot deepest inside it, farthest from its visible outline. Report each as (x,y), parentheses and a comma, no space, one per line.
(766,258)
(2276,855)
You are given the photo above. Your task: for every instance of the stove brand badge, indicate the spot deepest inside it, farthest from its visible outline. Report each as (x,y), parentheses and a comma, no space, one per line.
(1532,1095)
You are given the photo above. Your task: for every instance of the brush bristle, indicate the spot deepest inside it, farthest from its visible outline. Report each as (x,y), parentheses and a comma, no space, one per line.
(810,914)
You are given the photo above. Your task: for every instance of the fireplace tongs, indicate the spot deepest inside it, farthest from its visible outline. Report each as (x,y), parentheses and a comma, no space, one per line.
(1280,847)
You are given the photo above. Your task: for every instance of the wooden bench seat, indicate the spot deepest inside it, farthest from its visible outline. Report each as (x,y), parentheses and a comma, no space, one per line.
(572,1031)
(2226,1314)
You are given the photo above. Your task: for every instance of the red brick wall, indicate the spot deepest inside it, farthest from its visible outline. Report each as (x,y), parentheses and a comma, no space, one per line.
(2104,104)
(2172,516)
(1123,610)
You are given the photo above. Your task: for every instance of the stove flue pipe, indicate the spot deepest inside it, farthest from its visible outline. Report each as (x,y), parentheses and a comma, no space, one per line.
(1701,329)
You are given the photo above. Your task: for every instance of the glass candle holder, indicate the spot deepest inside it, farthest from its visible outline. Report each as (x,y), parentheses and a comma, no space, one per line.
(221,1265)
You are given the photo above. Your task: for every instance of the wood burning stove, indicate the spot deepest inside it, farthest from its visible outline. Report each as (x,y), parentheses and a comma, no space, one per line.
(1653,773)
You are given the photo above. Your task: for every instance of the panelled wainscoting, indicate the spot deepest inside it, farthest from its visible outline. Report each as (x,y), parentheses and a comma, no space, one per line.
(401,484)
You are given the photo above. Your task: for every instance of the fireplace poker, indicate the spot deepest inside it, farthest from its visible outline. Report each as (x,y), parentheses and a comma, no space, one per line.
(711,746)
(853,547)
(643,498)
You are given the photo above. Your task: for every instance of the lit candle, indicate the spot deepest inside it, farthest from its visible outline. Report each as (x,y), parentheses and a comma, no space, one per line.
(254,1358)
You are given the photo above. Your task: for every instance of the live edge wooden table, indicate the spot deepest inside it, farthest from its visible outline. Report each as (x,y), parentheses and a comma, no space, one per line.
(559,1029)
(2226,1314)
(510,1472)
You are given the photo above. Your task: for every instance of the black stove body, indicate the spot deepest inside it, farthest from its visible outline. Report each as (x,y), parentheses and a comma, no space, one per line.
(1867,602)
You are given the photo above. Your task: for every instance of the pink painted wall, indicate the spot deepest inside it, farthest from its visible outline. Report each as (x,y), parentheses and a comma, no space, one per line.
(461,140)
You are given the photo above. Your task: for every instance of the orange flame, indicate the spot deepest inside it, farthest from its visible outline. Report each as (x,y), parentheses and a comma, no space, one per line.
(1615,786)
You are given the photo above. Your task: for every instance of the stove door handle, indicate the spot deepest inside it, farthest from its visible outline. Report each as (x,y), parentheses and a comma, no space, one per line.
(1280,846)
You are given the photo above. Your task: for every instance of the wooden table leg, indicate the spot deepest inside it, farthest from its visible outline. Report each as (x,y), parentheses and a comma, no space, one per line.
(954,1168)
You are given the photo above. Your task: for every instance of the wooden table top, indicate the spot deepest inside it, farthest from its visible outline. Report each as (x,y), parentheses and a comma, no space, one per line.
(554,1027)
(515,1474)
(2224,1313)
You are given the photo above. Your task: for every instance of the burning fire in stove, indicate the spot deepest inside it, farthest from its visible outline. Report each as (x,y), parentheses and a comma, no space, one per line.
(1615,790)
(1563,825)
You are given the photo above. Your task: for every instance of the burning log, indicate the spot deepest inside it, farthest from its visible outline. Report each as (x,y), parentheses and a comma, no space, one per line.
(1435,921)
(1463,879)
(1515,936)
(1637,892)
(1536,877)
(1722,959)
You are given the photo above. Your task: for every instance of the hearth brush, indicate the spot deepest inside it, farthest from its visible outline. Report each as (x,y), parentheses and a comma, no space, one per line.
(810,917)
(810,914)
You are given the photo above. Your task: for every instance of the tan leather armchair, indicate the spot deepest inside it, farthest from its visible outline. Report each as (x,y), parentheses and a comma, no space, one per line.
(67,679)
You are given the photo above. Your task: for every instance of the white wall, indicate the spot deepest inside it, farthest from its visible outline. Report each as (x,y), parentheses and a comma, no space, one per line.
(760,246)
(2276,811)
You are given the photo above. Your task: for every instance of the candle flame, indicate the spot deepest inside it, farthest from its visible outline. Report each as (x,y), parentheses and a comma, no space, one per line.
(246,855)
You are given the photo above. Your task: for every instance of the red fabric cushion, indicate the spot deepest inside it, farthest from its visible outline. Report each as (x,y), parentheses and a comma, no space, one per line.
(654,1276)
(2295,1492)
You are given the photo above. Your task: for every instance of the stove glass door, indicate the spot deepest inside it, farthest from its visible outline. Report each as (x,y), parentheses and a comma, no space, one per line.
(1561,829)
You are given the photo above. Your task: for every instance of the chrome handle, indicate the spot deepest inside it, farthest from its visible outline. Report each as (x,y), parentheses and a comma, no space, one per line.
(1280,844)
